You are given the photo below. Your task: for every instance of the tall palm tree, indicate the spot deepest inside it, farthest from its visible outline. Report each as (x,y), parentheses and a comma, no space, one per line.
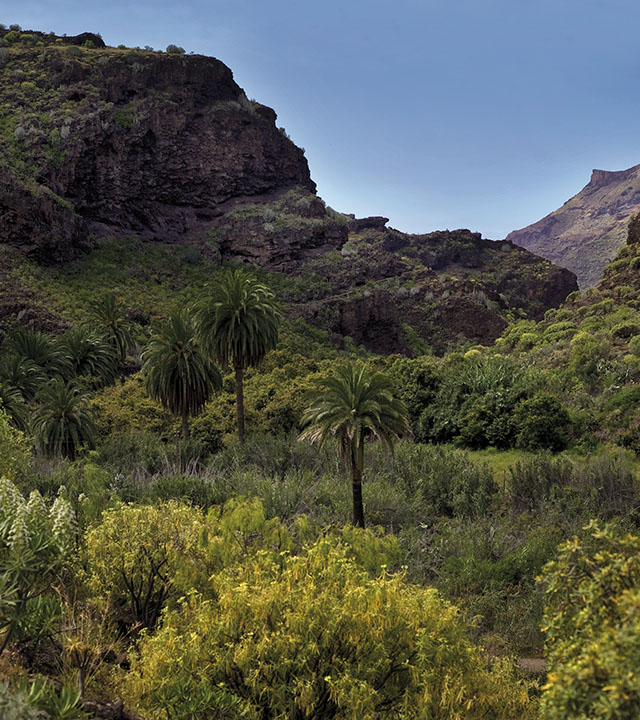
(179,373)
(351,405)
(239,324)
(62,422)
(108,319)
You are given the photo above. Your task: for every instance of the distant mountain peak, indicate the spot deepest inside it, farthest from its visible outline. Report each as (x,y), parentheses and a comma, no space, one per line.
(588,230)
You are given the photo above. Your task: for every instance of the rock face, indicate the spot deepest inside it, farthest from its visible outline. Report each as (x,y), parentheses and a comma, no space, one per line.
(589,229)
(394,292)
(143,143)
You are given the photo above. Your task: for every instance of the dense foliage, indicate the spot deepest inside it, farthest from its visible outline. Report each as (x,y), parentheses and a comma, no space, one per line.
(314,636)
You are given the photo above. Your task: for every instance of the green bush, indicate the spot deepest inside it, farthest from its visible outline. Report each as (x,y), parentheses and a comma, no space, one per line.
(175,50)
(542,423)
(135,555)
(15,451)
(36,542)
(603,486)
(634,345)
(475,401)
(489,567)
(559,331)
(534,481)
(625,329)
(14,705)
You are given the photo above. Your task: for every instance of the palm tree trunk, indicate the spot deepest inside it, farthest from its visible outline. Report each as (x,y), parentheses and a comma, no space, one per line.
(185,426)
(357,463)
(240,402)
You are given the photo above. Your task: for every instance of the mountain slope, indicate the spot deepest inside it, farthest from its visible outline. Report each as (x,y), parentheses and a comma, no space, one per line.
(101,145)
(589,229)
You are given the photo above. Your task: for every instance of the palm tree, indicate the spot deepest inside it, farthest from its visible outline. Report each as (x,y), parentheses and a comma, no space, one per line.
(89,355)
(62,422)
(108,319)
(238,324)
(12,402)
(38,348)
(351,405)
(179,373)
(21,374)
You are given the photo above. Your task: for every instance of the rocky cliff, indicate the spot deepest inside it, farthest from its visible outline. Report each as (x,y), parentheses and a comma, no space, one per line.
(589,229)
(98,142)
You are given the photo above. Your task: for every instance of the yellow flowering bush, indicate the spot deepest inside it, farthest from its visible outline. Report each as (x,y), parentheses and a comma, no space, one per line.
(592,625)
(315,636)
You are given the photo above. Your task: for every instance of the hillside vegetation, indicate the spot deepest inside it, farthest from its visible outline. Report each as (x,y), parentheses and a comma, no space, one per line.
(162,558)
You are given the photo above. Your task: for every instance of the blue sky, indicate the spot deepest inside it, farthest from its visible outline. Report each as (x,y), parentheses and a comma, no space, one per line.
(485,114)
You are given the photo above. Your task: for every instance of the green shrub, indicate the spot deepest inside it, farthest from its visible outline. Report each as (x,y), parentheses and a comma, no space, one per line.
(634,345)
(532,482)
(36,542)
(489,567)
(625,329)
(15,706)
(542,423)
(15,451)
(74,51)
(585,355)
(527,341)
(175,50)
(603,486)
(135,555)
(559,331)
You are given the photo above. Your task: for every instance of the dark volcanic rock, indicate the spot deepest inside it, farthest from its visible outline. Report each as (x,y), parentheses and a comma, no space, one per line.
(394,292)
(281,233)
(137,143)
(373,321)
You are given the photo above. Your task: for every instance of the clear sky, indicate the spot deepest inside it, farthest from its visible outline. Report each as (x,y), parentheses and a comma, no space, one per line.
(485,114)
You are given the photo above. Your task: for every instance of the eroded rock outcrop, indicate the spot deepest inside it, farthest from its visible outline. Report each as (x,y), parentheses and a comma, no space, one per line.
(167,147)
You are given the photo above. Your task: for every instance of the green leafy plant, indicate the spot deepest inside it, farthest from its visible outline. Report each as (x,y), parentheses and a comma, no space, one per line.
(592,626)
(88,355)
(62,423)
(315,636)
(36,541)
